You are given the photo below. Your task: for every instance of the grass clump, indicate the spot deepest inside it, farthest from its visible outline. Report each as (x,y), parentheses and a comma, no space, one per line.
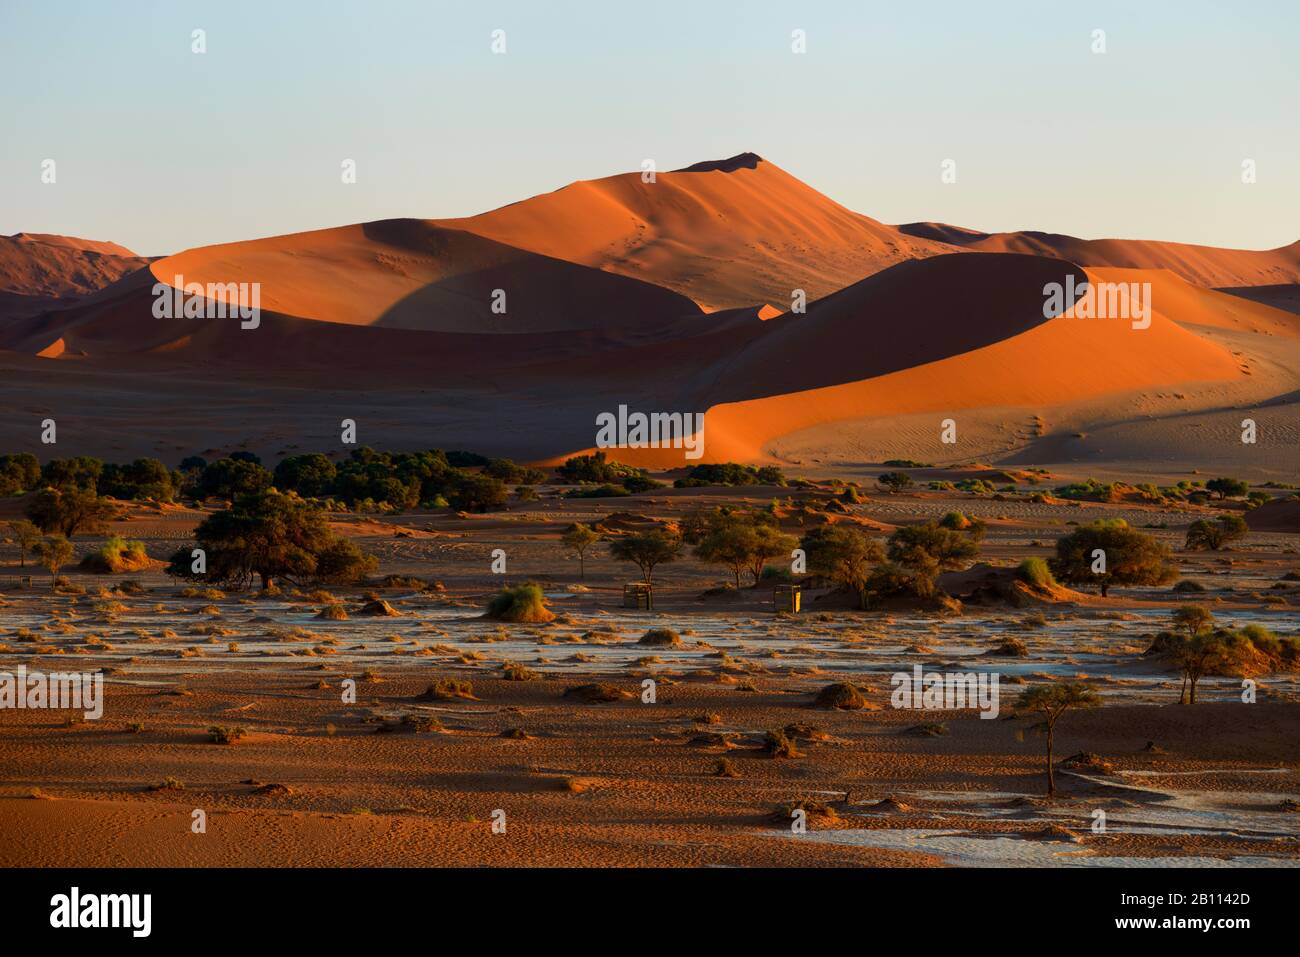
(519,603)
(725,768)
(1035,571)
(446,689)
(596,693)
(661,638)
(840,696)
(777,744)
(513,671)
(1011,648)
(116,555)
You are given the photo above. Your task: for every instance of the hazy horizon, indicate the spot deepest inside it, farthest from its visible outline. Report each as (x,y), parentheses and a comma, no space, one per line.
(161,149)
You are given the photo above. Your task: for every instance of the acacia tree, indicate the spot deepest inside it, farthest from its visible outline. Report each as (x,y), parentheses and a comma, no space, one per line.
(1111,553)
(895,481)
(26,535)
(53,552)
(926,550)
(1193,619)
(730,543)
(1197,652)
(844,555)
(1227,487)
(647,550)
(69,509)
(1213,535)
(268,535)
(1052,701)
(579,538)
(232,477)
(769,542)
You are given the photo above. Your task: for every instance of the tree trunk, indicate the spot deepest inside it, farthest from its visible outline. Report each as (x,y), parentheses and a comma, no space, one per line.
(1051,779)
(582,567)
(267,581)
(1104,589)
(1182,695)
(1192,698)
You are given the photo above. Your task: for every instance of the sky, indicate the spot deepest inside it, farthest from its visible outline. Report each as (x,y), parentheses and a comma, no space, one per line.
(160,148)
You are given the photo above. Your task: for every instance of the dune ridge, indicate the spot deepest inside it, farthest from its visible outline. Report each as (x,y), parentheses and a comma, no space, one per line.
(1202,265)
(727,233)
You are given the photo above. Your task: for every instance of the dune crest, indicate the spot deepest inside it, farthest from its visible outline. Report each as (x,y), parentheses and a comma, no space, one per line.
(727,233)
(413,274)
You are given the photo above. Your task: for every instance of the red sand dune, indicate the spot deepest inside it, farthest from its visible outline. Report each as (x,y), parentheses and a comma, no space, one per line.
(1279,515)
(945,335)
(602,280)
(412,274)
(39,272)
(1201,265)
(730,233)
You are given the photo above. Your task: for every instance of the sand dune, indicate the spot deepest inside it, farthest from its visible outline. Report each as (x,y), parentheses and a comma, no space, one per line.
(1201,265)
(605,281)
(729,233)
(915,313)
(40,272)
(956,334)
(411,274)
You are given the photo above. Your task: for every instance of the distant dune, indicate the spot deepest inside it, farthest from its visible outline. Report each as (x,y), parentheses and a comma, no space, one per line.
(40,272)
(1202,265)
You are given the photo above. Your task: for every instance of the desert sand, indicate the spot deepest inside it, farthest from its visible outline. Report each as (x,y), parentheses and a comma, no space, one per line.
(397,778)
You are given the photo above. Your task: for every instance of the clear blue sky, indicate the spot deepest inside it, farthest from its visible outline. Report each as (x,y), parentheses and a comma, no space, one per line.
(161,149)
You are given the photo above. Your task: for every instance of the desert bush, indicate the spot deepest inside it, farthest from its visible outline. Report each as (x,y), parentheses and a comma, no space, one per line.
(776,744)
(1204,534)
(840,696)
(1036,572)
(519,603)
(224,735)
(595,693)
(895,481)
(1132,557)
(513,671)
(115,556)
(446,689)
(661,637)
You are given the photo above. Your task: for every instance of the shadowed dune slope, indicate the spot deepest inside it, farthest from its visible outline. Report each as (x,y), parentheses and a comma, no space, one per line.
(1280,515)
(412,274)
(117,329)
(729,233)
(1201,265)
(946,335)
(39,272)
(910,315)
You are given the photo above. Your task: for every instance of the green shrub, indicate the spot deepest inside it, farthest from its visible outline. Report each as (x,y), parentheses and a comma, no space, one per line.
(1036,572)
(115,556)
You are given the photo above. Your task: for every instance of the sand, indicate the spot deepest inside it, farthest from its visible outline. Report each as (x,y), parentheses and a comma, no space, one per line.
(675,296)
(626,782)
